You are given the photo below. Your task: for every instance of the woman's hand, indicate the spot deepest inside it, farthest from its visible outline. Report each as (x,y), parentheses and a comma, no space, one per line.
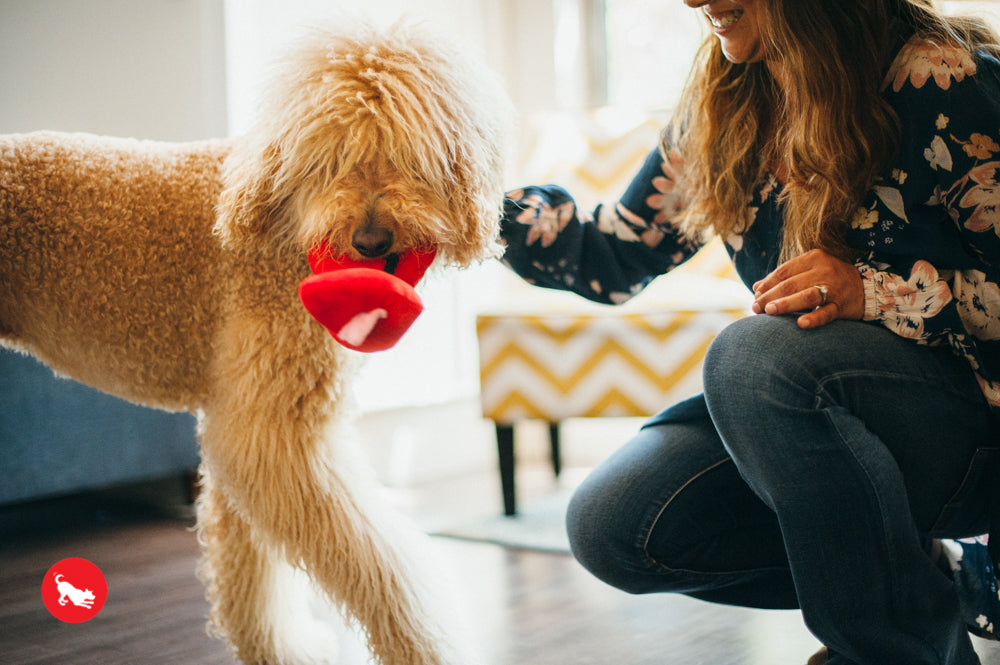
(822,285)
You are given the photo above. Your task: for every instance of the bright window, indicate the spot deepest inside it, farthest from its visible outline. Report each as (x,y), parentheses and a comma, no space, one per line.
(988,9)
(650,47)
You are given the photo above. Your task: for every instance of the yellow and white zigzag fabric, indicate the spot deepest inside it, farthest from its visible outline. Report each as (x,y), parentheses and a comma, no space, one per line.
(563,365)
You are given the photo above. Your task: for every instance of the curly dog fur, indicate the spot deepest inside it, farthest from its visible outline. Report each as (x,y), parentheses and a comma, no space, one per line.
(166,274)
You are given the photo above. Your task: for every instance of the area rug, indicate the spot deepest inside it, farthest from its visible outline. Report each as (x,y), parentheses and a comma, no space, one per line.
(539,525)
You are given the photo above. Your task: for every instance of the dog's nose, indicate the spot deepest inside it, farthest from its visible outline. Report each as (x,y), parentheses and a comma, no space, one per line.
(372,242)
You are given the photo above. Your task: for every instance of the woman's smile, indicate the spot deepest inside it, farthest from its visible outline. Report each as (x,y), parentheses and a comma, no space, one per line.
(737,25)
(724,20)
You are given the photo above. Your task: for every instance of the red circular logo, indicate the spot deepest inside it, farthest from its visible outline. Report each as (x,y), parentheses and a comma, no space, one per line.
(74,590)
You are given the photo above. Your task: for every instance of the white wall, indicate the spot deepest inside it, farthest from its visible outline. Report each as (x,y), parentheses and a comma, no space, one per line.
(151,69)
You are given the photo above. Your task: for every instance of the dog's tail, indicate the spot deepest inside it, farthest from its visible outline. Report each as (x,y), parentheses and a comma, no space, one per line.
(58,576)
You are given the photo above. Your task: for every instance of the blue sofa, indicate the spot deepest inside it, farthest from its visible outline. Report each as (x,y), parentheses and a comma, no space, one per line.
(58,436)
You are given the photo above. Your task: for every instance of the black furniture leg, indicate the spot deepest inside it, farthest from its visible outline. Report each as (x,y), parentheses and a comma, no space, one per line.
(556,455)
(505,449)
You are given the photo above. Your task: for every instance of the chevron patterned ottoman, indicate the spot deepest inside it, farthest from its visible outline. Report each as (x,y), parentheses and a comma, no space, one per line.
(556,366)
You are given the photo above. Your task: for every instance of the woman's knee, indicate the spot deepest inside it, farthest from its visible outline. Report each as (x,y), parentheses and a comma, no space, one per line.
(756,368)
(771,352)
(606,538)
(614,547)
(762,363)
(595,535)
(630,520)
(748,352)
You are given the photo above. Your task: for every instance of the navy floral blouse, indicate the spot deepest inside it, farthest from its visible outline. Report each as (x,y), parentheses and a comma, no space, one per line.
(929,228)
(928,231)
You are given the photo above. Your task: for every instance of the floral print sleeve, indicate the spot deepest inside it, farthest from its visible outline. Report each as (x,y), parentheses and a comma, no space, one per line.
(931,228)
(607,255)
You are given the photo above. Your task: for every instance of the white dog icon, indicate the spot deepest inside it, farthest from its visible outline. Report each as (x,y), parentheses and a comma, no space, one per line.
(68,593)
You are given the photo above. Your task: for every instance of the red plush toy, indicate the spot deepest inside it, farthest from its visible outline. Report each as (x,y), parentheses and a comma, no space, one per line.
(366,305)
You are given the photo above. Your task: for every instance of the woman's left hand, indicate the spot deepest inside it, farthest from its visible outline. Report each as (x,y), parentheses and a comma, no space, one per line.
(816,282)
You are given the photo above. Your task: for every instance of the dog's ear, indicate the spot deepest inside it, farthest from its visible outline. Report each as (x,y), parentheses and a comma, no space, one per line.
(473,126)
(477,204)
(250,202)
(476,191)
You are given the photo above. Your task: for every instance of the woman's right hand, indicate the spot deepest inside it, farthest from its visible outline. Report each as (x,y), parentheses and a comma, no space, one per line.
(816,281)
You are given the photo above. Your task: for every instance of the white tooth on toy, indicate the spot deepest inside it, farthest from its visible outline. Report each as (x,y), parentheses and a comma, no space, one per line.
(356,331)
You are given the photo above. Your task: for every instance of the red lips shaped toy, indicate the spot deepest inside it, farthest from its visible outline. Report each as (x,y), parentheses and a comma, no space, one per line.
(366,305)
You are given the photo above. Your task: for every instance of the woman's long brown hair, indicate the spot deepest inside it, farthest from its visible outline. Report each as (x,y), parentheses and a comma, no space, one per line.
(828,131)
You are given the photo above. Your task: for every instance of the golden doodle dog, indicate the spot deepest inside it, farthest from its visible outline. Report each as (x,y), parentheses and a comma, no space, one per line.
(167,274)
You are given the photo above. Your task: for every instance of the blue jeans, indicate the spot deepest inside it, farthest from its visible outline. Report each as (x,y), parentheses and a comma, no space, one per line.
(811,474)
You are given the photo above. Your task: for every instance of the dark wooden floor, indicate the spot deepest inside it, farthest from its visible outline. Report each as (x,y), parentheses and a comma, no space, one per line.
(527,608)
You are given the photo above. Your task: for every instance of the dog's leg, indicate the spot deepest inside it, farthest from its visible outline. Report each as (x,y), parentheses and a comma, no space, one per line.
(235,574)
(263,440)
(262,606)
